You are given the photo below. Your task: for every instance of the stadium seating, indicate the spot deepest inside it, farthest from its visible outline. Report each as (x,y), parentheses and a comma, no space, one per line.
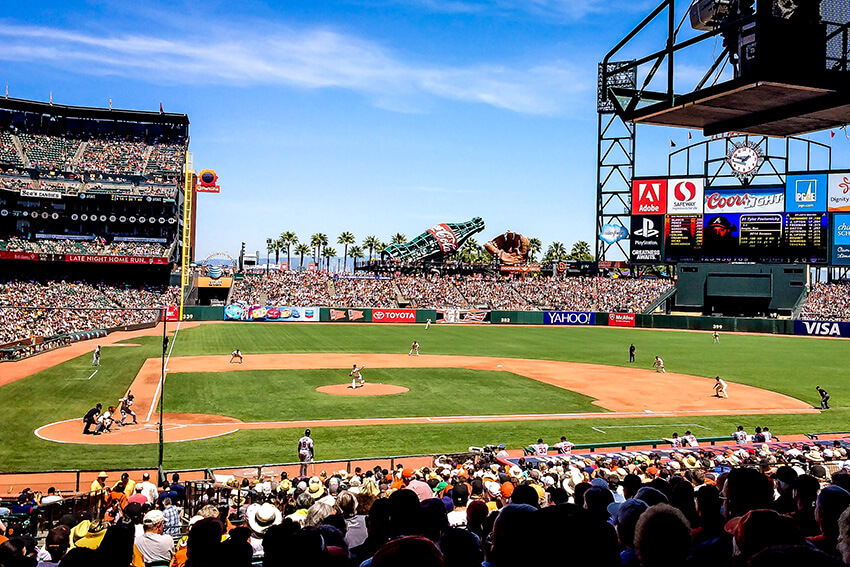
(49,153)
(828,301)
(113,157)
(8,151)
(165,159)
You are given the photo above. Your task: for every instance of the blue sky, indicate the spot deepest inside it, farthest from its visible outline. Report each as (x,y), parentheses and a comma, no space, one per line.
(367,116)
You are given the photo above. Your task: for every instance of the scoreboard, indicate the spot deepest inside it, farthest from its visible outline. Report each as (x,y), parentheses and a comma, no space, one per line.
(796,223)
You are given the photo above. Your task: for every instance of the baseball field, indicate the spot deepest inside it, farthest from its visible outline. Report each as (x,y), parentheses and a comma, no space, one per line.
(471,385)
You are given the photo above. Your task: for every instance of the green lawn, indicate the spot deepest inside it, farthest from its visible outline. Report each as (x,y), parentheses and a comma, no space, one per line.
(289,395)
(785,364)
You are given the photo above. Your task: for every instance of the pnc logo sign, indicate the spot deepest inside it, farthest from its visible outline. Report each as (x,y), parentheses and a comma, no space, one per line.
(649,197)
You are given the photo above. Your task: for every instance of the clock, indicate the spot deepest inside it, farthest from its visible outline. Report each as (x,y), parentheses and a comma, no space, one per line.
(744,160)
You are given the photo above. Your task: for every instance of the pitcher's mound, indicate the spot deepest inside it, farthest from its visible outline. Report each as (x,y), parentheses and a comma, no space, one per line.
(369,389)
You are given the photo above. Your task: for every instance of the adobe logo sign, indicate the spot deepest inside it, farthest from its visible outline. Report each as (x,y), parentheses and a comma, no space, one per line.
(685,196)
(649,197)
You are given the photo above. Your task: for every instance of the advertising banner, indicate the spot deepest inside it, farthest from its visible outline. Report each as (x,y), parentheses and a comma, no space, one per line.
(142,260)
(461,316)
(355,315)
(685,196)
(621,319)
(745,200)
(569,318)
(214,282)
(838,194)
(649,197)
(840,240)
(238,312)
(822,328)
(647,239)
(770,238)
(393,315)
(519,269)
(172,313)
(806,193)
(7,255)
(41,194)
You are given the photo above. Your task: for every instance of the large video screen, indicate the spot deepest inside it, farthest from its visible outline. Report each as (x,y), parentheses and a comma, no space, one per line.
(770,224)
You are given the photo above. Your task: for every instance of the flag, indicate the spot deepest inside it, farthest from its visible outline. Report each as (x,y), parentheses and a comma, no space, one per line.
(110,104)
(832,133)
(51,98)
(160,107)
(672,144)
(690,136)
(7,90)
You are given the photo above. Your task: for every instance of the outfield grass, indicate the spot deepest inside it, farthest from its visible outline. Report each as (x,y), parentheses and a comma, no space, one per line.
(788,365)
(290,395)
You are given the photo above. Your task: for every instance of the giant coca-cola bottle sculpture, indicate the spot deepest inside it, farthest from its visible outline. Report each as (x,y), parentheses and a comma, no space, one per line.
(439,240)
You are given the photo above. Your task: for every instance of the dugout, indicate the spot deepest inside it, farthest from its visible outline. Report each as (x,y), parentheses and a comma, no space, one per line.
(739,290)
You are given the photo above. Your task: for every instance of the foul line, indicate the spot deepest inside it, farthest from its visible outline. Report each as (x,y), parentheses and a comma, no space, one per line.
(162,377)
(92,374)
(600,430)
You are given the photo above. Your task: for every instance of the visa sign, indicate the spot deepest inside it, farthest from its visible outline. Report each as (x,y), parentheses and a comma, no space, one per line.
(822,328)
(569,318)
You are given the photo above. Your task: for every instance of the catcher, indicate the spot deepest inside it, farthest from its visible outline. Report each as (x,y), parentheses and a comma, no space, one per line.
(356,376)
(509,248)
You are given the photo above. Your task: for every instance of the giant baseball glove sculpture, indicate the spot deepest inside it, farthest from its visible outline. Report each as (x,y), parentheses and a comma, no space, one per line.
(509,248)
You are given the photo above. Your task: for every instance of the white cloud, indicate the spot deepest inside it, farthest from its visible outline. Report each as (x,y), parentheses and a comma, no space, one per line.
(311,59)
(557,11)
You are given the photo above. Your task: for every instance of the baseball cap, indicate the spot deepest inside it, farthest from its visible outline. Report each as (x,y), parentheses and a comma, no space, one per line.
(407,473)
(153,517)
(758,529)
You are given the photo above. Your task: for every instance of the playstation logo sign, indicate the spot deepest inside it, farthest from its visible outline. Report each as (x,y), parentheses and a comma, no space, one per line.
(647,230)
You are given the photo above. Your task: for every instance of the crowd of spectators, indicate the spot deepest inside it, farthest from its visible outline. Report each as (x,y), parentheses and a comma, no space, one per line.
(75,187)
(166,158)
(96,247)
(30,309)
(8,150)
(828,301)
(113,156)
(14,183)
(49,153)
(452,292)
(747,506)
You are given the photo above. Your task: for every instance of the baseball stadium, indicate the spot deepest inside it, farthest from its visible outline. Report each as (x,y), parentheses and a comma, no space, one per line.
(694,354)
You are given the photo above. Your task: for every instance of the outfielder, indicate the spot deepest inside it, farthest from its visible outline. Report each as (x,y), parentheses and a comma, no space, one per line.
(124,407)
(716,338)
(95,359)
(414,349)
(427,324)
(236,354)
(658,364)
(720,387)
(305,452)
(356,376)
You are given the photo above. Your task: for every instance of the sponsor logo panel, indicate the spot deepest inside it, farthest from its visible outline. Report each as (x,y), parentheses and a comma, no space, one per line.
(806,193)
(394,315)
(685,196)
(822,328)
(647,239)
(569,318)
(838,193)
(750,200)
(649,196)
(141,260)
(274,313)
(621,319)
(446,238)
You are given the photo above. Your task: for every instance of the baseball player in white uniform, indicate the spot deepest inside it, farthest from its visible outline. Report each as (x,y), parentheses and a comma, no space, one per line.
(414,349)
(563,446)
(305,452)
(236,354)
(720,387)
(740,436)
(716,338)
(427,324)
(356,376)
(124,406)
(658,364)
(690,439)
(95,359)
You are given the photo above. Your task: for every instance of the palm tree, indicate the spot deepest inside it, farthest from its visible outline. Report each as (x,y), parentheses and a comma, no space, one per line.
(302,249)
(317,241)
(355,253)
(555,252)
(534,246)
(328,253)
(288,239)
(581,251)
(469,251)
(398,238)
(371,242)
(276,247)
(345,238)
(380,246)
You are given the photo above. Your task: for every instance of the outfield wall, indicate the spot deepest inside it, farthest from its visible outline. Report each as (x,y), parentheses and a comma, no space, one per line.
(560,318)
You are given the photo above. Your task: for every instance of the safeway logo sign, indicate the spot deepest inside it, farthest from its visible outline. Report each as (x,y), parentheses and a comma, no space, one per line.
(647,230)
(649,197)
(393,315)
(685,196)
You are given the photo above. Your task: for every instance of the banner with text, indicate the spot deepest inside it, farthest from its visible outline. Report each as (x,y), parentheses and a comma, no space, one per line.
(237,312)
(569,318)
(461,316)
(393,315)
(89,258)
(822,328)
(621,319)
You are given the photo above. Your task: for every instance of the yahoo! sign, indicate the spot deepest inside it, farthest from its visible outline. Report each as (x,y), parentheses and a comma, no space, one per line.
(569,318)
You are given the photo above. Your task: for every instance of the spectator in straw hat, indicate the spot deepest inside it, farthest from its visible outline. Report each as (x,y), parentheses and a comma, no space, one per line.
(260,519)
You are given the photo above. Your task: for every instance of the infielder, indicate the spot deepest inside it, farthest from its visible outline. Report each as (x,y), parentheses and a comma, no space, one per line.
(305,452)
(414,349)
(124,407)
(824,397)
(236,354)
(720,387)
(356,376)
(658,364)
(95,359)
